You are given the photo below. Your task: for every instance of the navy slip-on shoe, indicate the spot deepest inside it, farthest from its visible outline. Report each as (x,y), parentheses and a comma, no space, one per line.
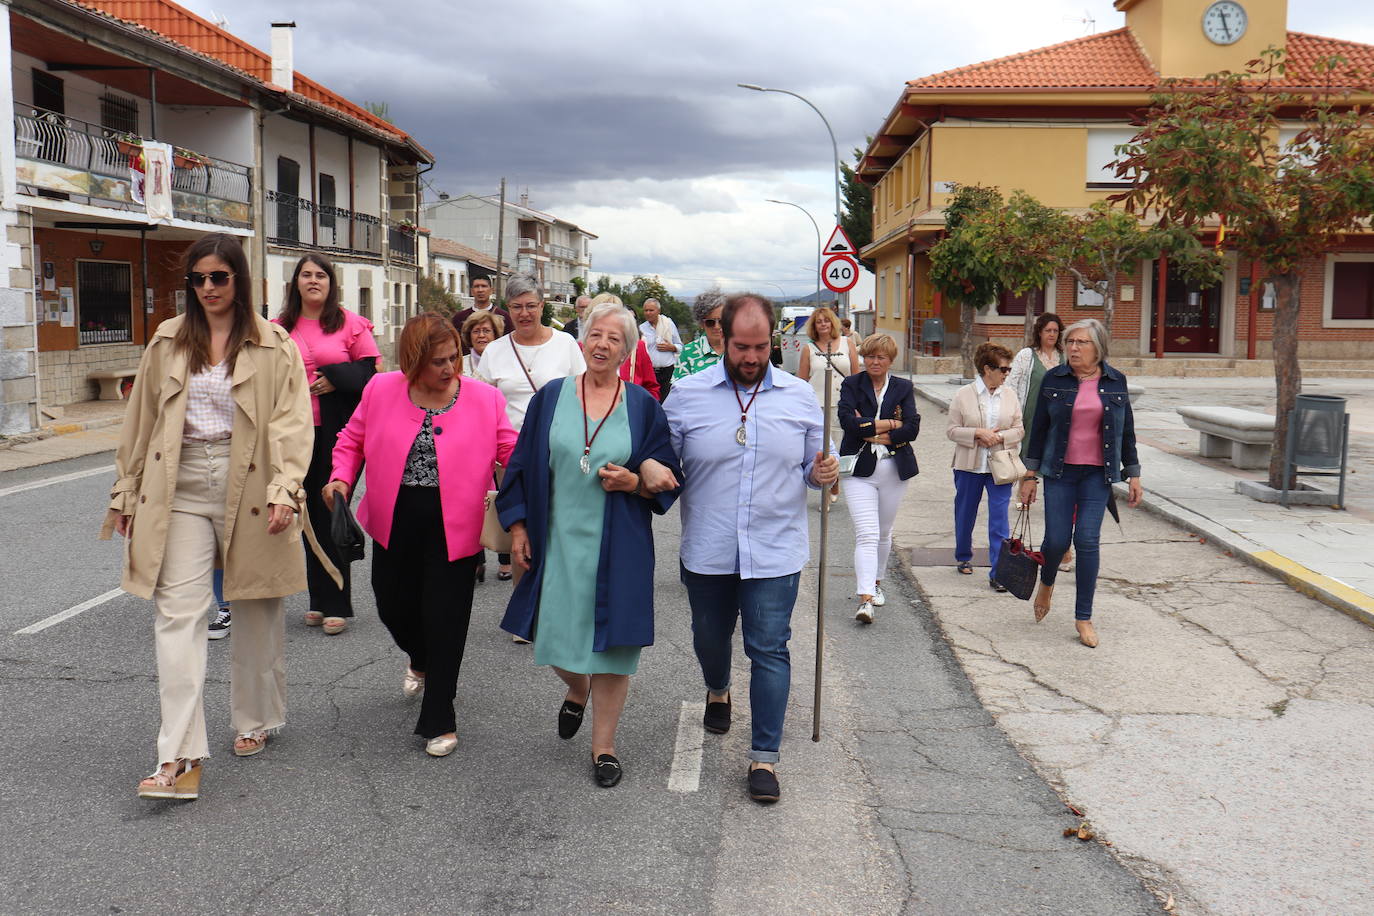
(763,786)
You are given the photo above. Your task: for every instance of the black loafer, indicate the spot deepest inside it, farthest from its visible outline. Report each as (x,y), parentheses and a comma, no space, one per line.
(717,717)
(569,719)
(606,770)
(763,786)
(997,586)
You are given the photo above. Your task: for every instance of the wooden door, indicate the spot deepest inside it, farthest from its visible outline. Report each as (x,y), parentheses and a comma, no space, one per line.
(1192,316)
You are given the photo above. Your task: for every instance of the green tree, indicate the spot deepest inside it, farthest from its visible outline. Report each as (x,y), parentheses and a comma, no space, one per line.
(857,215)
(580,286)
(1215,150)
(434,297)
(1021,243)
(1105,242)
(958,268)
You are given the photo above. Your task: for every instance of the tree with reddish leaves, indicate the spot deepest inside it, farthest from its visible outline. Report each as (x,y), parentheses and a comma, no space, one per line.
(1213,152)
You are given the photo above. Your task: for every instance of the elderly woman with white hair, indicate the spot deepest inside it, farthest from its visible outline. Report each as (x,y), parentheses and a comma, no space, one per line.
(1082,440)
(592,466)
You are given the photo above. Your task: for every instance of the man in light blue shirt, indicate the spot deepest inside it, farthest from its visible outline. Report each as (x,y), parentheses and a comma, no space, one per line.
(664,343)
(750,441)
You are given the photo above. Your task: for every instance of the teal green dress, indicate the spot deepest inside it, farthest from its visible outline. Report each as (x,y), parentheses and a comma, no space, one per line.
(1038,371)
(567,598)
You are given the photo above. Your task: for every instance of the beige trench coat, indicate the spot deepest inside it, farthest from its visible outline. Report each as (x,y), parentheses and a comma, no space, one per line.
(966,417)
(269,453)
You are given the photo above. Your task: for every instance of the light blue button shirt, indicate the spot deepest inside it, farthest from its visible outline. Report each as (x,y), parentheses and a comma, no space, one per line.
(744,506)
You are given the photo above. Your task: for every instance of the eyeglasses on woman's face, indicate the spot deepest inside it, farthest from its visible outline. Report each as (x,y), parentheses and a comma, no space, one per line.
(216,278)
(1077,342)
(710,322)
(1002,369)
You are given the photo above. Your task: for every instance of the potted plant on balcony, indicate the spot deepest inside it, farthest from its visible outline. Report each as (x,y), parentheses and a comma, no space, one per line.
(129,146)
(186,159)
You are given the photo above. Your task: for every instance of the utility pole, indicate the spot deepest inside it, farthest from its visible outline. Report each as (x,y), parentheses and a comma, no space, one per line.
(500,247)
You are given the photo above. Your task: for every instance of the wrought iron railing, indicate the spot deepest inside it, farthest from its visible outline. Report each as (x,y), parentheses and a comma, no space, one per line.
(401,240)
(64,156)
(291,222)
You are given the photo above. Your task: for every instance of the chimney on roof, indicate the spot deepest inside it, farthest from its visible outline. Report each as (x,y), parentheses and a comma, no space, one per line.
(283,55)
(525,198)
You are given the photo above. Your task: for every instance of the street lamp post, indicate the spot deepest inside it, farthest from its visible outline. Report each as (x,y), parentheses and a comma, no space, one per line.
(834,148)
(789,203)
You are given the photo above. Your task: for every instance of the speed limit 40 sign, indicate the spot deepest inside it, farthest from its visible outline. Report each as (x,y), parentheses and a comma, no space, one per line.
(840,273)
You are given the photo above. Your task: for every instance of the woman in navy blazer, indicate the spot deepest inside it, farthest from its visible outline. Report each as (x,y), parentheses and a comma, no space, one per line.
(878,414)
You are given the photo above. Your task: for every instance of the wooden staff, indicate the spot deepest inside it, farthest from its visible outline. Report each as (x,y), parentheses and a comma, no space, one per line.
(825,537)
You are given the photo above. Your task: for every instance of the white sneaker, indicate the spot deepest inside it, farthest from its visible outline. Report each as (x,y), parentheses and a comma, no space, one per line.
(879,599)
(865,613)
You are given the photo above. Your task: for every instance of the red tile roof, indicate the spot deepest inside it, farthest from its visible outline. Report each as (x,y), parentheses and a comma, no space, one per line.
(452,249)
(179,26)
(1114,61)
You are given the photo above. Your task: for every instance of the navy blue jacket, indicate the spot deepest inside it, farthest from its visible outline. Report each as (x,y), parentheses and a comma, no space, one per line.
(1049,431)
(625,571)
(859,408)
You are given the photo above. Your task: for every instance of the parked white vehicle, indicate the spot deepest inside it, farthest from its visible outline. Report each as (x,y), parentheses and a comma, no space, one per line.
(792,335)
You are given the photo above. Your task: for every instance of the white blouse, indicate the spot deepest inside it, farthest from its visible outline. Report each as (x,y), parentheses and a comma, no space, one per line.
(558,357)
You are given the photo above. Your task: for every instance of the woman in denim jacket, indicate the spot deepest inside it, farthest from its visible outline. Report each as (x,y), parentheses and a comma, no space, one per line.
(1081,445)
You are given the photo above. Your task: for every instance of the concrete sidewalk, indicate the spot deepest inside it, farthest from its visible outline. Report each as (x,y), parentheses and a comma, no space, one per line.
(1325,553)
(85,428)
(1218,738)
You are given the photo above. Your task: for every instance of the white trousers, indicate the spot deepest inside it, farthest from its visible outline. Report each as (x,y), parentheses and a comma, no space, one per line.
(873,503)
(257,686)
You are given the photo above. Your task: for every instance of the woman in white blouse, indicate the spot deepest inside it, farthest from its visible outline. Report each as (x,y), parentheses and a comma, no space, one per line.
(527,358)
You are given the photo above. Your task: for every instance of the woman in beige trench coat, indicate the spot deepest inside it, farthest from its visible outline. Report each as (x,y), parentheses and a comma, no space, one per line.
(214,448)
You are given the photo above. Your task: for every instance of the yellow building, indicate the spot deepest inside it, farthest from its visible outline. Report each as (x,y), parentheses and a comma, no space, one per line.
(1047,121)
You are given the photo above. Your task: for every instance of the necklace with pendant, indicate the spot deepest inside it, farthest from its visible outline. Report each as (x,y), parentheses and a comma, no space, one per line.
(586,462)
(741,436)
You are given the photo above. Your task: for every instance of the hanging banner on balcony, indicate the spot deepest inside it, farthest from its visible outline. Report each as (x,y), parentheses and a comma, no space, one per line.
(157,184)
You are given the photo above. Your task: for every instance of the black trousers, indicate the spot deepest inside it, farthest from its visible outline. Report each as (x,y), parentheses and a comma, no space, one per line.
(425,600)
(325,596)
(665,381)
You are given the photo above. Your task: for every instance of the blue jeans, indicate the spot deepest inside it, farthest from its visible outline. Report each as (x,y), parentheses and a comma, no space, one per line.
(968,493)
(1081,490)
(219,590)
(764,607)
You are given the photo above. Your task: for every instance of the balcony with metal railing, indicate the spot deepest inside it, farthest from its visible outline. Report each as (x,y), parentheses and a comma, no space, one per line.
(294,222)
(62,158)
(529,245)
(401,241)
(563,252)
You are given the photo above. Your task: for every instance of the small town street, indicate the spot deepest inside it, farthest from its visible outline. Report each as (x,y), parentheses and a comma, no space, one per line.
(1218,732)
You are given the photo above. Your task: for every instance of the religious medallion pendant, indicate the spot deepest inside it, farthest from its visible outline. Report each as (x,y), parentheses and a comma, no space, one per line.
(740,436)
(585,464)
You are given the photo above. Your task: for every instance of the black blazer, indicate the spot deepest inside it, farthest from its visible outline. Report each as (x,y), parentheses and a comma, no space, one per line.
(859,408)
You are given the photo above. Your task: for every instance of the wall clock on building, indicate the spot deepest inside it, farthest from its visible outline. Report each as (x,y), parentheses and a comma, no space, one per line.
(1224,22)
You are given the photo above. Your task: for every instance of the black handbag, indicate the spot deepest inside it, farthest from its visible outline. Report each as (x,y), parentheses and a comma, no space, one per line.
(345,531)
(1018,567)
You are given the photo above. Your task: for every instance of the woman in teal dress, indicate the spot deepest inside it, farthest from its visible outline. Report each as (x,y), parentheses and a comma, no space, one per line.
(592,465)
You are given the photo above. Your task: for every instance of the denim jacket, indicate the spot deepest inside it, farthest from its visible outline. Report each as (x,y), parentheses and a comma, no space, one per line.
(1049,430)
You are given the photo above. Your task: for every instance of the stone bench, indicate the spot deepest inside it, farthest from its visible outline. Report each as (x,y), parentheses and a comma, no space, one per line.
(112,381)
(1244,436)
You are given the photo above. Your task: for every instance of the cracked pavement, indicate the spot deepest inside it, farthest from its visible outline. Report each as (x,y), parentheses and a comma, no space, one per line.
(1219,737)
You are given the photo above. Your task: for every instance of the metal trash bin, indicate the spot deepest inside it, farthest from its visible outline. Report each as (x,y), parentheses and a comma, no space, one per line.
(933,336)
(1318,437)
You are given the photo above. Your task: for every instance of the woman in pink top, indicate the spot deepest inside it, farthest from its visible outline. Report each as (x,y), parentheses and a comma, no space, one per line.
(340,356)
(431,439)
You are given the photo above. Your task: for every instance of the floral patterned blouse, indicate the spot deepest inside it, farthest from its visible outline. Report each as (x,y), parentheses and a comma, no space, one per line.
(695,356)
(422,465)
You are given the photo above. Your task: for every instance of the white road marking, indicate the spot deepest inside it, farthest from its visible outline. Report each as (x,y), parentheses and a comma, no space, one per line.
(686,773)
(68,613)
(61,478)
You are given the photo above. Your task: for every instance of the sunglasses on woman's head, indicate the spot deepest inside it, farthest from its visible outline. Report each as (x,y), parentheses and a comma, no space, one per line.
(217,277)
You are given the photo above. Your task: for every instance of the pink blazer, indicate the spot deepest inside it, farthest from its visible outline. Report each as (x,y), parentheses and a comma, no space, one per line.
(469,441)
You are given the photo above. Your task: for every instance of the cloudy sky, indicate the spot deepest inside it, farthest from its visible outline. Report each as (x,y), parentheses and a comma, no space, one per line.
(623,115)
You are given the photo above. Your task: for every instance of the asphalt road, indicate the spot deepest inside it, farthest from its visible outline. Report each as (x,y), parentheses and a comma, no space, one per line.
(912,801)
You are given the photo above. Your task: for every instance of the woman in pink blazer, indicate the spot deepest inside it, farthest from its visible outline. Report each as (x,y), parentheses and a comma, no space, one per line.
(430,438)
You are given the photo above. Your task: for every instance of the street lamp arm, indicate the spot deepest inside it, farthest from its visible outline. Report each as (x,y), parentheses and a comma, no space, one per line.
(834,146)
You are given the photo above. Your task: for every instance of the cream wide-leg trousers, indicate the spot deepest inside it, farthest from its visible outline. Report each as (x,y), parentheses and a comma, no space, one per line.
(184,596)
